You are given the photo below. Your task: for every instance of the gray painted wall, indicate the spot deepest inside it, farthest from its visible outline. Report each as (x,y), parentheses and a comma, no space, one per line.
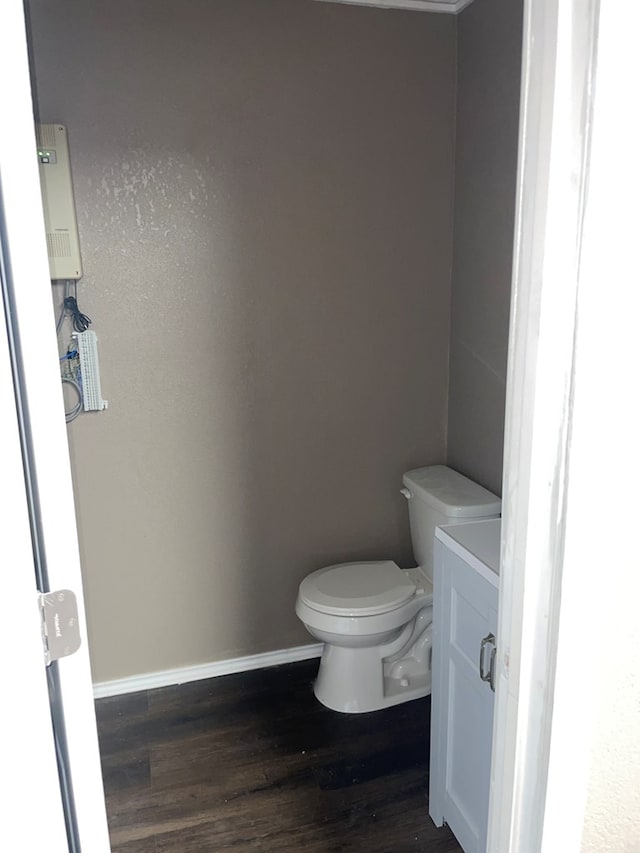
(488,99)
(264,192)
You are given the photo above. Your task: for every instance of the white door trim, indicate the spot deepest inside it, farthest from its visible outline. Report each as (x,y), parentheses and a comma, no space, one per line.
(568,389)
(42,412)
(594,750)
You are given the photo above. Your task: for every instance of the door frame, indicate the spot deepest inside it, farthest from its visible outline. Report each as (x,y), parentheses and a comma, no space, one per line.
(550,191)
(573,337)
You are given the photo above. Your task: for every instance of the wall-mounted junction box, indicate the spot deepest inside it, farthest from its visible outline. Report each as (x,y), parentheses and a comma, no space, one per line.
(61,226)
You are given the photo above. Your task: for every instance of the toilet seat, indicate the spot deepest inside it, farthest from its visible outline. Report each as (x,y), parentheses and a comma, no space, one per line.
(357,589)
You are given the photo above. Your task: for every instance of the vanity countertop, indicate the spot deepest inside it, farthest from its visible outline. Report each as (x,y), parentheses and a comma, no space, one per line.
(476,542)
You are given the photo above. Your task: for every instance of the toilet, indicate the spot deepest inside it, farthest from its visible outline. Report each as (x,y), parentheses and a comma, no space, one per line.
(374,618)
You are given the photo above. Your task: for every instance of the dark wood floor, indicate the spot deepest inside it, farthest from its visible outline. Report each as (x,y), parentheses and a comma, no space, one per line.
(254,762)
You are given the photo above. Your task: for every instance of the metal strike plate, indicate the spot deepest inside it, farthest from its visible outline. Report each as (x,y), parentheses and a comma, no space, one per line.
(492,669)
(488,641)
(60,629)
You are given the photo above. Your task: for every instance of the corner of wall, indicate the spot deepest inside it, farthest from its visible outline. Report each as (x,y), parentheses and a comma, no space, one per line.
(453,225)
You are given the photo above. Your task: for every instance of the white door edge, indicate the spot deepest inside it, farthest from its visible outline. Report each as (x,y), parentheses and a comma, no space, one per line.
(27,745)
(32,315)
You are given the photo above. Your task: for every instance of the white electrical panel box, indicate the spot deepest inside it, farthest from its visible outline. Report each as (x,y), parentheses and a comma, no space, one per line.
(63,245)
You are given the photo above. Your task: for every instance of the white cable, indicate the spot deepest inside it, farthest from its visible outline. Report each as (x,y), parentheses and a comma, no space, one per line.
(73,413)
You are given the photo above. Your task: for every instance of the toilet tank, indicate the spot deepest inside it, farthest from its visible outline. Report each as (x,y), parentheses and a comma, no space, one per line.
(439,495)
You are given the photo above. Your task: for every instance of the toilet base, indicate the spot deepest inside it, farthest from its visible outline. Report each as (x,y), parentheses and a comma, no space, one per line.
(354,681)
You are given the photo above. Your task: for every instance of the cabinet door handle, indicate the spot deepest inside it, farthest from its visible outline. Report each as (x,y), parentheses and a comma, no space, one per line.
(489,639)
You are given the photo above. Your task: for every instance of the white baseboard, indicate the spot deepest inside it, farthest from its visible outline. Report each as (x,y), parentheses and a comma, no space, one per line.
(182,675)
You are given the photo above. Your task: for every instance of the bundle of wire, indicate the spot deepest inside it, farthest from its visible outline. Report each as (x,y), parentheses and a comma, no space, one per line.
(79,320)
(80,323)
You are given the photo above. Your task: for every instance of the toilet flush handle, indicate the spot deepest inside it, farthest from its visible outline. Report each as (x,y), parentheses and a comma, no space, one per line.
(406,493)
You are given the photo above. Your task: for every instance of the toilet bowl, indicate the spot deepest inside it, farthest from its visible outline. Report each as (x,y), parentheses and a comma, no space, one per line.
(374,618)
(375,621)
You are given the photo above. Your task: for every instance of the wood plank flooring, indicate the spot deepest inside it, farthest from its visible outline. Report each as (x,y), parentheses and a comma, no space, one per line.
(254,762)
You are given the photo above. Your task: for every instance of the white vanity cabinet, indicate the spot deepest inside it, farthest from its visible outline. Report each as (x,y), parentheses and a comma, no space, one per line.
(465,594)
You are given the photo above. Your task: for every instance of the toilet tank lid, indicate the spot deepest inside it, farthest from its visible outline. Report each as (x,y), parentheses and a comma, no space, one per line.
(450,493)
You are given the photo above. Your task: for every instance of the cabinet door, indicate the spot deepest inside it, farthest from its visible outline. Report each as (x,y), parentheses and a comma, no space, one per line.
(465,612)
